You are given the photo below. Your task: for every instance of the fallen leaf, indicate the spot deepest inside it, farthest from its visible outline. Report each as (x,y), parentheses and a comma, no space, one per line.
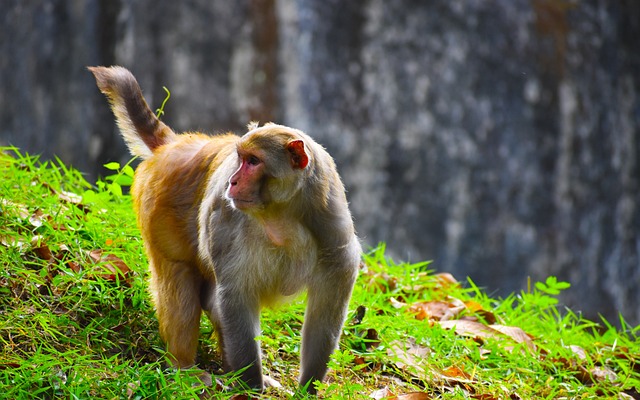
(372,339)
(453,376)
(476,308)
(43,252)
(359,315)
(381,282)
(66,256)
(386,394)
(74,266)
(69,197)
(480,331)
(483,397)
(436,310)
(132,388)
(517,334)
(409,356)
(116,268)
(9,241)
(603,374)
(396,303)
(359,360)
(470,328)
(21,210)
(578,351)
(37,217)
(413,396)
(445,279)
(383,393)
(456,372)
(66,197)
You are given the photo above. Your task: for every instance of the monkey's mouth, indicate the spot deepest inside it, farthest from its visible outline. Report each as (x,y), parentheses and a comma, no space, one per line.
(235,202)
(241,204)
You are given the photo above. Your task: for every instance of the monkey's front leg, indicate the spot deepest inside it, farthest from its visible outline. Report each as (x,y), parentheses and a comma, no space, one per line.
(238,320)
(328,299)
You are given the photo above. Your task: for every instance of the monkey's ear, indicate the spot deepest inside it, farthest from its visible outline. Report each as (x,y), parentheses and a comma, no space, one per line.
(297,154)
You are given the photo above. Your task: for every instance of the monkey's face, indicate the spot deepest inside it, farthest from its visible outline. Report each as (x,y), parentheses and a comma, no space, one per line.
(244,186)
(271,169)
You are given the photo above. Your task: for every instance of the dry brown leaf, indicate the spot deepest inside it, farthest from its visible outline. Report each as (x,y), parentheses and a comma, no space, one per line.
(445,279)
(483,397)
(409,356)
(69,197)
(473,306)
(373,338)
(386,394)
(396,303)
(603,374)
(453,376)
(578,351)
(359,315)
(37,218)
(480,331)
(516,334)
(359,360)
(596,374)
(65,197)
(116,268)
(132,388)
(66,256)
(470,329)
(9,241)
(476,308)
(413,396)
(383,393)
(43,252)
(74,266)
(20,209)
(456,372)
(381,282)
(436,310)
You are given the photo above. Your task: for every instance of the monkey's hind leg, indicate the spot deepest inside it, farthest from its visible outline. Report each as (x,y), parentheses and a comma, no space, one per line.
(175,287)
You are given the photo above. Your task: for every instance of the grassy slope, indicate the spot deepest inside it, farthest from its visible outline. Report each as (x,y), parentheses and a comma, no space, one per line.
(76,322)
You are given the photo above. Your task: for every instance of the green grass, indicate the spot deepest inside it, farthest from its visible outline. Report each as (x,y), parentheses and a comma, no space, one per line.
(76,320)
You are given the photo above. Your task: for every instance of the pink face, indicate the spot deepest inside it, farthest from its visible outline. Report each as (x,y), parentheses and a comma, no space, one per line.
(245,183)
(247,189)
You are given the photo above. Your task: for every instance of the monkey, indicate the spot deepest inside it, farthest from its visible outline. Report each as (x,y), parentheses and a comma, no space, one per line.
(232,224)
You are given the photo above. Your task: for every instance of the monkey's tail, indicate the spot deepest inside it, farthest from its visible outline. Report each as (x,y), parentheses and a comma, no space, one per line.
(142,130)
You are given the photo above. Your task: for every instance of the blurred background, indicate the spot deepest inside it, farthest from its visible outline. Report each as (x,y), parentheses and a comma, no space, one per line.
(500,139)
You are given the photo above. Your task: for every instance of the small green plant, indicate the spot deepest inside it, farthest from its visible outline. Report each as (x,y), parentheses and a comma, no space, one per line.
(123,177)
(160,111)
(552,287)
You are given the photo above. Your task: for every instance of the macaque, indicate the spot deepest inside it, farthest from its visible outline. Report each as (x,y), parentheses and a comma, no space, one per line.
(231,224)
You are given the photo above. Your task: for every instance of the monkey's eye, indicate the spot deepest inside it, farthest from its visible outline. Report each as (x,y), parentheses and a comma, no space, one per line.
(253,160)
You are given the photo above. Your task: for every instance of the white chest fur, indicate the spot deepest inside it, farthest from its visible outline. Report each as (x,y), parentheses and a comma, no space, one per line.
(275,259)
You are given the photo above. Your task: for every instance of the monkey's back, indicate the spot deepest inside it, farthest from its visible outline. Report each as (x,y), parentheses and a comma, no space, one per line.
(168,188)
